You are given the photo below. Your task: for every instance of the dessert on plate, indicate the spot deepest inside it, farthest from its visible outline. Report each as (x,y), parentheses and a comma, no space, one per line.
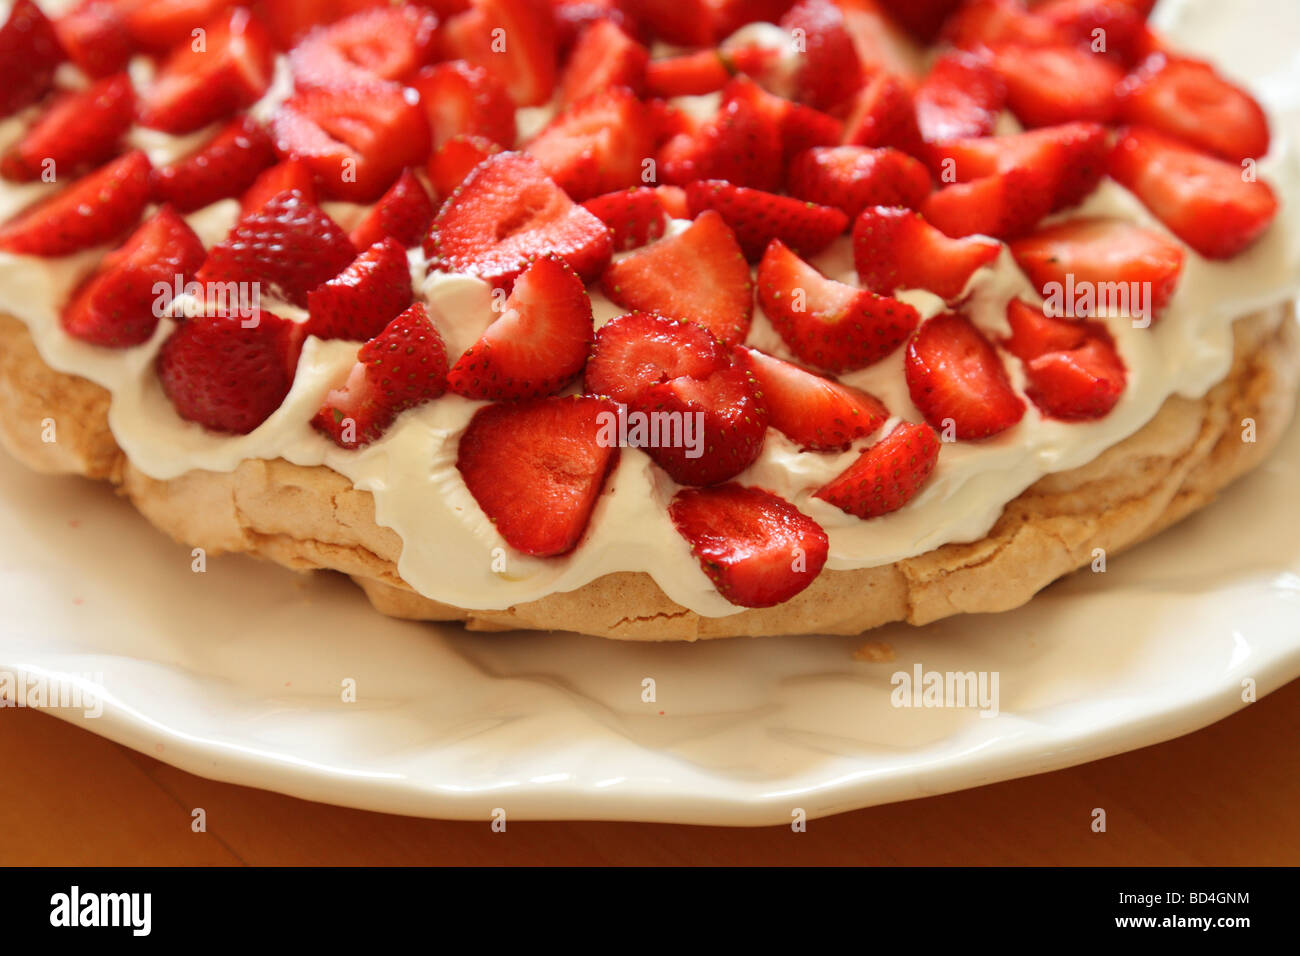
(652,320)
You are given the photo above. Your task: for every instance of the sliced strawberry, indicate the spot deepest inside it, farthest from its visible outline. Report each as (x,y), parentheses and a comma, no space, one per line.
(288,244)
(673,199)
(699,275)
(758,217)
(460,98)
(887,475)
(826,323)
(537,468)
(506,213)
(29,54)
(742,143)
(883,114)
(728,16)
(1033,333)
(986,23)
(958,381)
(854,177)
(225,165)
(1208,203)
(514,40)
(960,96)
(798,127)
(1004,205)
(828,73)
(689,74)
(196,87)
(1047,86)
(403,213)
(95,37)
(896,248)
(634,216)
(115,306)
(815,413)
(386,44)
(356,141)
(1188,99)
(290,20)
(1097,252)
(921,18)
(93,210)
(159,25)
(574,17)
(604,57)
(679,22)
(635,351)
(880,42)
(78,131)
(1121,24)
(455,159)
(403,366)
(1073,370)
(227,372)
(362,299)
(293,175)
(596,145)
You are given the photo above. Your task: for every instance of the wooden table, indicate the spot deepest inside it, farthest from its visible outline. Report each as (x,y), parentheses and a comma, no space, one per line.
(1226,795)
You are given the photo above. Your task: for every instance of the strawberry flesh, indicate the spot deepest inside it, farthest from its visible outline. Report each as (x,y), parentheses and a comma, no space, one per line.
(758,217)
(403,213)
(635,351)
(78,131)
(852,178)
(29,55)
(361,300)
(226,165)
(896,248)
(887,475)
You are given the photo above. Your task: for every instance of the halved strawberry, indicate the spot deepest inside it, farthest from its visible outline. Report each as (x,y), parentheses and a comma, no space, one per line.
(827,323)
(815,413)
(290,20)
(673,199)
(596,145)
(635,351)
(757,549)
(883,114)
(288,244)
(115,307)
(1034,333)
(699,275)
(514,40)
(29,54)
(604,58)
(854,177)
(573,17)
(453,161)
(985,23)
(403,366)
(94,35)
(895,248)
(679,22)
(828,73)
(1050,85)
(196,87)
(76,132)
(634,216)
(687,74)
(356,141)
(537,468)
(741,143)
(1209,204)
(292,175)
(887,475)
(758,217)
(1004,205)
(159,25)
(460,98)
(225,165)
(1073,370)
(921,18)
(227,372)
(958,381)
(373,47)
(1115,27)
(880,42)
(1097,252)
(960,96)
(798,127)
(362,299)
(403,213)
(93,210)
(508,212)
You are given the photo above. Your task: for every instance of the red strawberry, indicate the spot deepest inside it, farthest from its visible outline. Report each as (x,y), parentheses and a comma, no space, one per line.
(828,72)
(115,307)
(29,53)
(525,63)
(160,25)
(403,213)
(698,275)
(93,210)
(883,114)
(758,217)
(596,145)
(632,352)
(880,43)
(957,380)
(797,127)
(225,165)
(1093,252)
(1121,24)
(1072,368)
(960,96)
(94,35)
(673,199)
(1188,99)
(506,213)
(741,143)
(373,47)
(292,175)
(539,343)
(1004,205)
(364,297)
(634,216)
(76,132)
(403,366)
(679,22)
(1208,203)
(290,20)
(461,98)
(854,177)
(196,87)
(827,323)
(756,548)
(921,18)
(604,58)
(815,413)
(229,373)
(985,23)
(537,468)
(887,475)
(897,249)
(572,17)
(455,159)
(1033,333)
(1051,85)
(288,244)
(689,74)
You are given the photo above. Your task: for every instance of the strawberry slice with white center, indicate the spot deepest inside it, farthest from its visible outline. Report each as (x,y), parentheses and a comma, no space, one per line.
(460,98)
(229,372)
(78,131)
(1092,253)
(454,160)
(508,212)
(826,323)
(159,25)
(93,210)
(1074,372)
(1188,99)
(291,176)
(115,306)
(956,378)
(356,140)
(884,114)
(364,297)
(196,87)
(537,346)
(1047,86)
(635,216)
(596,145)
(225,165)
(288,245)
(632,352)
(757,549)
(95,37)
(699,275)
(758,217)
(961,96)
(403,213)
(895,248)
(538,468)
(887,475)
(604,58)
(828,73)
(386,44)
(403,366)
(1206,202)
(1004,205)
(815,413)
(29,54)
(852,178)
(525,63)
